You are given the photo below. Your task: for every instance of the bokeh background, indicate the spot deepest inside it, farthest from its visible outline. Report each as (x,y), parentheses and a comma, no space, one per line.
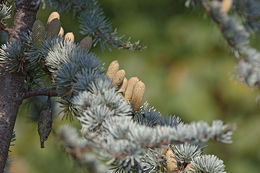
(188,69)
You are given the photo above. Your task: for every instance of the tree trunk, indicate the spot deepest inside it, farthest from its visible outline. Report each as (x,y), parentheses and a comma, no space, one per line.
(11,84)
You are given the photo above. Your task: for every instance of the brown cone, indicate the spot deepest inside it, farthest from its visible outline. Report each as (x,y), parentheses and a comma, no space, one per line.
(86,43)
(69,36)
(171,163)
(189,168)
(226,5)
(130,86)
(61,32)
(118,78)
(138,94)
(122,88)
(53,24)
(112,69)
(38,33)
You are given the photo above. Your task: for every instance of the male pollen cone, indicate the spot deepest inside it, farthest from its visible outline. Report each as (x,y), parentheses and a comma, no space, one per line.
(118,78)
(69,36)
(53,24)
(38,32)
(138,94)
(171,163)
(61,32)
(122,88)
(112,69)
(86,43)
(130,86)
(189,168)
(226,5)
(53,15)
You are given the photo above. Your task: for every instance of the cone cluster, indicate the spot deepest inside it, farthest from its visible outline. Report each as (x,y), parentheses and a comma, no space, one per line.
(132,90)
(53,27)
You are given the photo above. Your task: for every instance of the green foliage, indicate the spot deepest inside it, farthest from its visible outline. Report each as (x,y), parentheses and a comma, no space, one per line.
(5,12)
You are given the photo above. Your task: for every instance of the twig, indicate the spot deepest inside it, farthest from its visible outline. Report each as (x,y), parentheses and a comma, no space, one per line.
(52,92)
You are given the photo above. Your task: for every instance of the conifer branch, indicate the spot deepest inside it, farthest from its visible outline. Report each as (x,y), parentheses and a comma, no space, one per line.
(111,127)
(237,36)
(79,149)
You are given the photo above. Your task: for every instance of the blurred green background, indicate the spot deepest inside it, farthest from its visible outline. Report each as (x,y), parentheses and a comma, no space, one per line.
(188,69)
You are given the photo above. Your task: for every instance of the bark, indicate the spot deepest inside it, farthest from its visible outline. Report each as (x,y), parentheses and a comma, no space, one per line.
(11,84)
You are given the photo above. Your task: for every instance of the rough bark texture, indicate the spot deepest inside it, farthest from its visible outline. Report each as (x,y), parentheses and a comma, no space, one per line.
(11,84)
(10,88)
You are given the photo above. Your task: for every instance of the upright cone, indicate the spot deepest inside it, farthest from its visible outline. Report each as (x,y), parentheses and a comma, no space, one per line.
(45,122)
(171,163)
(61,32)
(130,86)
(189,168)
(53,24)
(52,16)
(122,88)
(38,33)
(69,36)
(118,78)
(226,5)
(112,69)
(138,94)
(86,43)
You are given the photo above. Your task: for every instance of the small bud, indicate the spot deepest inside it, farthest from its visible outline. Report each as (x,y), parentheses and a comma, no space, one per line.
(38,33)
(226,5)
(130,86)
(122,88)
(189,168)
(69,36)
(53,24)
(112,69)
(171,163)
(86,43)
(61,32)
(45,122)
(138,94)
(118,78)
